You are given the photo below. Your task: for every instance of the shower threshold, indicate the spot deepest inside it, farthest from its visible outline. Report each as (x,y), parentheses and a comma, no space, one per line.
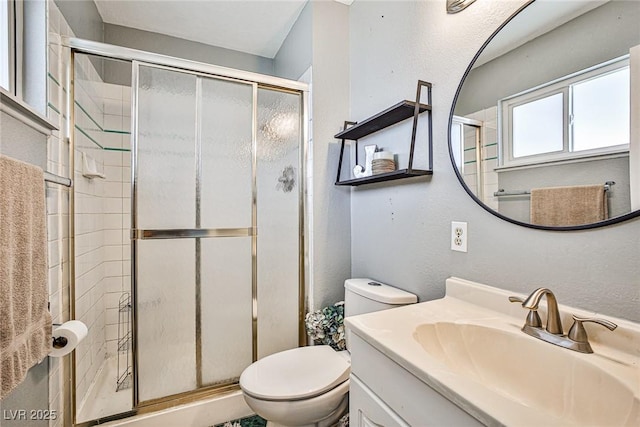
(103,400)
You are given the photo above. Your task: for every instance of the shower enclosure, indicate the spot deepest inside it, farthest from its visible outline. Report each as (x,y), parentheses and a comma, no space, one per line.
(211,226)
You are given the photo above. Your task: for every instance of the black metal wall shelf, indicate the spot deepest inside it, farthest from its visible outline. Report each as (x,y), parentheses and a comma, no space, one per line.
(392,115)
(389,176)
(397,113)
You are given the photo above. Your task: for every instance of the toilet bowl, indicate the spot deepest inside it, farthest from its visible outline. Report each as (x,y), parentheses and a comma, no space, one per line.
(308,386)
(305,386)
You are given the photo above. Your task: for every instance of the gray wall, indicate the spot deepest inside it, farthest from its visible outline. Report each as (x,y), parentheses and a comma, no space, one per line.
(583,173)
(31,395)
(86,23)
(180,48)
(22,142)
(319,39)
(83,18)
(400,233)
(296,53)
(599,35)
(331,250)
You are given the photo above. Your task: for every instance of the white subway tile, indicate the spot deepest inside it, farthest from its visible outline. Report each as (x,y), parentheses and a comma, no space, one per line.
(113,158)
(113,221)
(113,122)
(113,173)
(112,140)
(112,315)
(111,332)
(112,205)
(112,253)
(112,237)
(111,91)
(112,299)
(113,268)
(112,107)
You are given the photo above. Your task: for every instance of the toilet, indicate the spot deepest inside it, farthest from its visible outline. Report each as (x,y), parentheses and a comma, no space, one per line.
(308,386)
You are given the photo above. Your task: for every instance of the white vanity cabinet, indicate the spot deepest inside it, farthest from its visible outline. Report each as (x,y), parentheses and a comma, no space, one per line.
(383,393)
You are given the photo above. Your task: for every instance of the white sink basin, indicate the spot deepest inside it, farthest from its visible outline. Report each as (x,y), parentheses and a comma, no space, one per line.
(539,375)
(468,347)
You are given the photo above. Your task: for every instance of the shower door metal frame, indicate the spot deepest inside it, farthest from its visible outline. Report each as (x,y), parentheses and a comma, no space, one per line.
(134,56)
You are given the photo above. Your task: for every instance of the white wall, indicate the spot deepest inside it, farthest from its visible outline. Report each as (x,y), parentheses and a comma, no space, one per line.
(400,232)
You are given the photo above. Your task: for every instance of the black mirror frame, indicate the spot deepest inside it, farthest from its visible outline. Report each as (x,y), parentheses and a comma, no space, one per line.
(610,221)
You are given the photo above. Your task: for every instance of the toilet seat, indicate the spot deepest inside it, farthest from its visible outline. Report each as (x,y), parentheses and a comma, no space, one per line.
(296,374)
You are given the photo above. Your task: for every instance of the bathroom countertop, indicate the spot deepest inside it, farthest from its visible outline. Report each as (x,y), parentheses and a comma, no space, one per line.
(393,332)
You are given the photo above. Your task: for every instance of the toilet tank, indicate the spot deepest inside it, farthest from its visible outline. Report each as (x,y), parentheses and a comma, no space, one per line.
(367,295)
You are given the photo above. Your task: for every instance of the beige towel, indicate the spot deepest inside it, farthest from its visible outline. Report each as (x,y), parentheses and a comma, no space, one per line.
(25,322)
(564,206)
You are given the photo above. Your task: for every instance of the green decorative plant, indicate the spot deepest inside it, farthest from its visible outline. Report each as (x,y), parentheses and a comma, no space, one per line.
(326,326)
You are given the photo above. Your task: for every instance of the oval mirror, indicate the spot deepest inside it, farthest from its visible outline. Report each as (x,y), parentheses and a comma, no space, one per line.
(542,126)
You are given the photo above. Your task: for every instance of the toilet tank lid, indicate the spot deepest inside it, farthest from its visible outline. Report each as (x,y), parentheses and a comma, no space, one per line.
(379,291)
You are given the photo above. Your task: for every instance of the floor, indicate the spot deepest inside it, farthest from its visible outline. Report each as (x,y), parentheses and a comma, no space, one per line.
(254,421)
(103,400)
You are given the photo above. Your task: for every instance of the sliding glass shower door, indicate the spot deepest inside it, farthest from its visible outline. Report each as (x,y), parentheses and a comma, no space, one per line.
(215,160)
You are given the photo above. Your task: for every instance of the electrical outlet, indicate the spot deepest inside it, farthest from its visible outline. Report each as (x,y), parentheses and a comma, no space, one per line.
(458,236)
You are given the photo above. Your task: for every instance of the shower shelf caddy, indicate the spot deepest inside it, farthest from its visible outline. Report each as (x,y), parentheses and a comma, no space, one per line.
(124,342)
(397,113)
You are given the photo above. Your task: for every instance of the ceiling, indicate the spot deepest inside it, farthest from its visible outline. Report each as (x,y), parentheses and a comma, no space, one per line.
(257,27)
(538,18)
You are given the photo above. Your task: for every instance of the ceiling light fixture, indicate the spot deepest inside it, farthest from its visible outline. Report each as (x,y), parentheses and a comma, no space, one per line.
(455,6)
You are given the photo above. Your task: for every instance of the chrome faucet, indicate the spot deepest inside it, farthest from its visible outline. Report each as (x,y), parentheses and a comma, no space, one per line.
(577,337)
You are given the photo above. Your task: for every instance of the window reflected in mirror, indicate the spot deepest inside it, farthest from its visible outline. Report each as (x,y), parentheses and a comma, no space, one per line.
(546,104)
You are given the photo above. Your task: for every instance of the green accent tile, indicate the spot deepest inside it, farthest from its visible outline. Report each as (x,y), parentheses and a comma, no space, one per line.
(126,150)
(88,115)
(469,149)
(50,105)
(120,132)
(491,145)
(491,158)
(470,161)
(53,78)
(82,131)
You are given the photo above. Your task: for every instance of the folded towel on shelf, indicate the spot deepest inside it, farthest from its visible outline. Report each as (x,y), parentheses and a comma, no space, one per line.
(25,329)
(567,206)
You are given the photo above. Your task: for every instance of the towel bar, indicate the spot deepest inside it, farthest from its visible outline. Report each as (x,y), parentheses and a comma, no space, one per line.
(501,192)
(57,179)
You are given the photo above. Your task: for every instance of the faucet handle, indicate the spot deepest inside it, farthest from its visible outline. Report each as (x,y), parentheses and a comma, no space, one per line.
(533,318)
(579,334)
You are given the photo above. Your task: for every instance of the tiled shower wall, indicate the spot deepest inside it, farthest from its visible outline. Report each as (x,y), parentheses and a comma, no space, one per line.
(489,155)
(89,225)
(102,209)
(116,101)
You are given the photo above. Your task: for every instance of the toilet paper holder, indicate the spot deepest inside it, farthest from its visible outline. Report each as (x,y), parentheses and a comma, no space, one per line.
(59,342)
(66,337)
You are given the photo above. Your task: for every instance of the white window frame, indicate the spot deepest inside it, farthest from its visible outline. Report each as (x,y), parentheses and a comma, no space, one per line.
(562,85)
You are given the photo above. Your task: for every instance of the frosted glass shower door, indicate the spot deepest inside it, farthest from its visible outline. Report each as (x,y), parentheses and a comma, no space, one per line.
(279,183)
(194,239)
(227,179)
